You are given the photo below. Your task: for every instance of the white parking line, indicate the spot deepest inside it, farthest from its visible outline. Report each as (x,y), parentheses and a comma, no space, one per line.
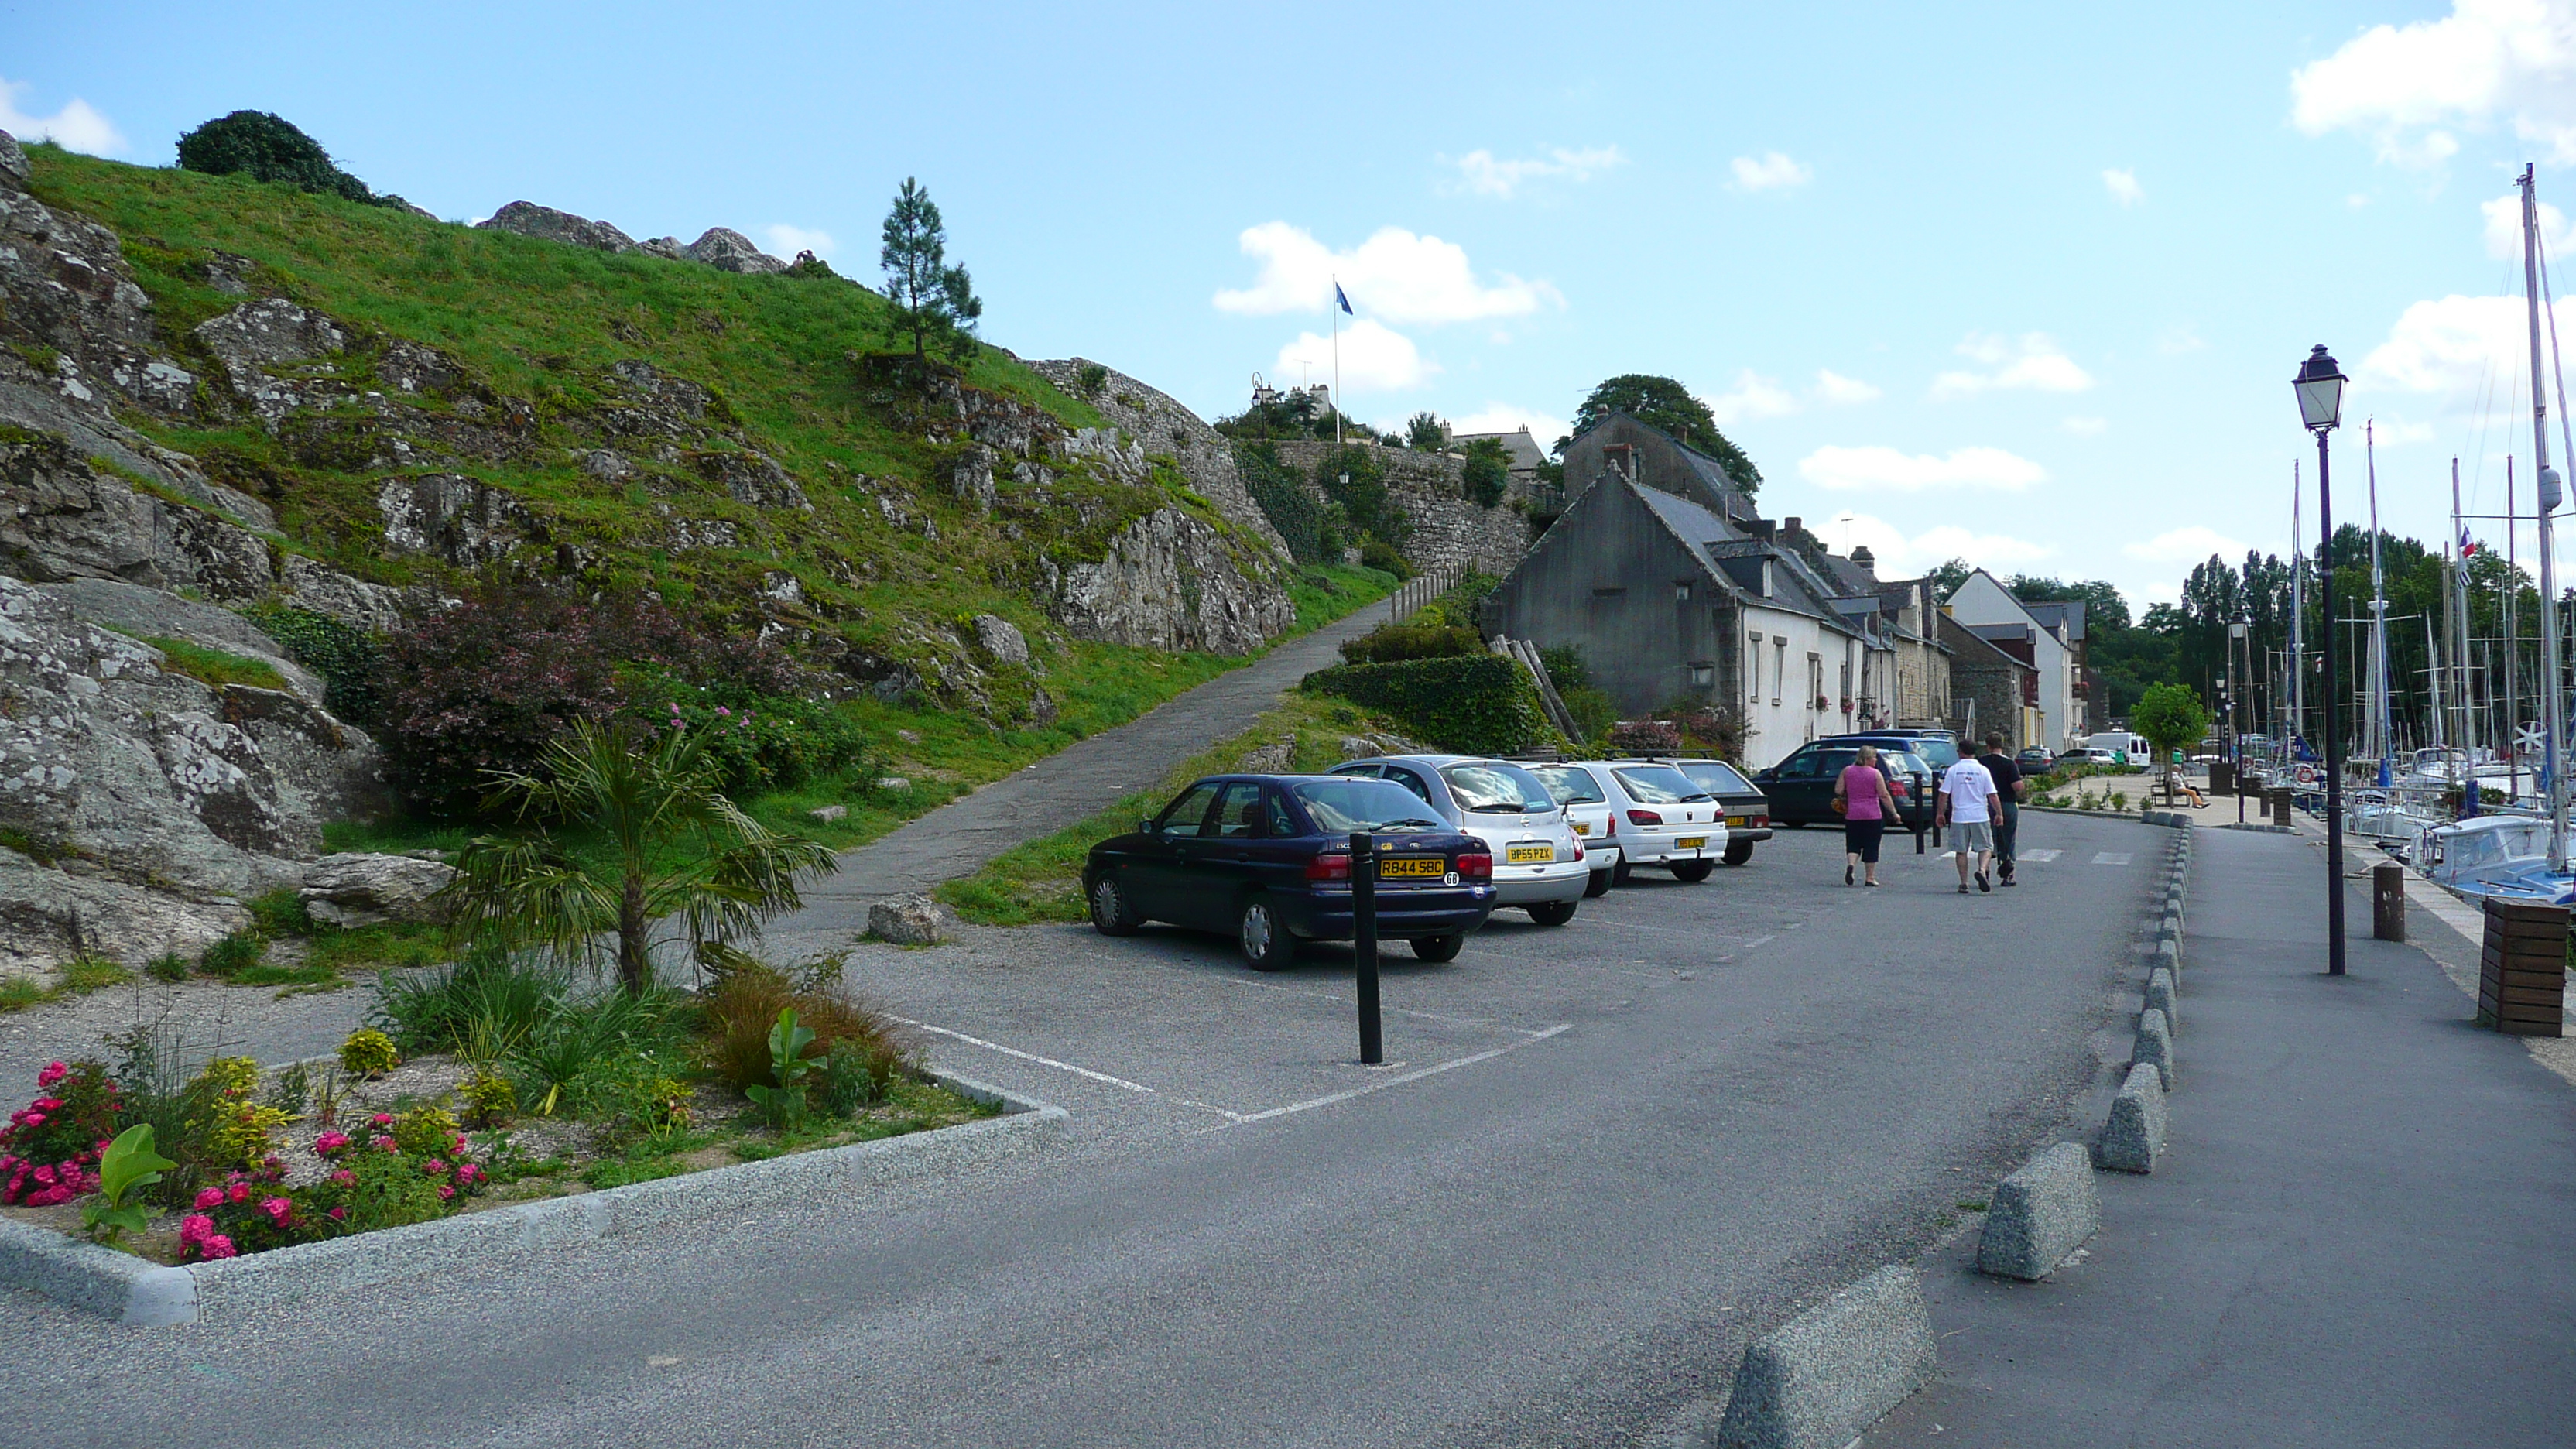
(2039,855)
(1417,1074)
(994,1046)
(1335,996)
(2111,857)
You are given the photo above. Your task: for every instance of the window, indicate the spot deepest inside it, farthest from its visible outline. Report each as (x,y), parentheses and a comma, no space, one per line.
(1703,676)
(1238,813)
(1717,778)
(1183,815)
(1339,807)
(1681,591)
(1658,785)
(1570,784)
(1412,782)
(1277,822)
(1779,667)
(1496,788)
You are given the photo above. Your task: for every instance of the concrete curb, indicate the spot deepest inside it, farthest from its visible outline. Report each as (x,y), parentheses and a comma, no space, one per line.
(2155,1046)
(62,1267)
(1818,1380)
(2160,997)
(2168,957)
(2135,1135)
(2040,1214)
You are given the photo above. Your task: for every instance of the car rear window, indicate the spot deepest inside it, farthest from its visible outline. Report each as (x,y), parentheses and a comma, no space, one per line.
(1570,784)
(1658,785)
(1492,786)
(1340,806)
(1718,778)
(1942,753)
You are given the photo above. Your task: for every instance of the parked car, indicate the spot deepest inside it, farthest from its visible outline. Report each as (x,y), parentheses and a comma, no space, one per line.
(1801,787)
(1539,863)
(2035,760)
(1747,811)
(2088,756)
(1938,746)
(1268,857)
(1586,803)
(1665,818)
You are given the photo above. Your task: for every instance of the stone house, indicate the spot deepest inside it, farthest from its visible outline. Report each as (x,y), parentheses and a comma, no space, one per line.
(1989,609)
(1684,596)
(1521,454)
(1645,454)
(1921,698)
(1991,689)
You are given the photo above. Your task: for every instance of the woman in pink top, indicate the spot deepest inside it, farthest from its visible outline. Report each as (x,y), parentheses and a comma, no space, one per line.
(1861,794)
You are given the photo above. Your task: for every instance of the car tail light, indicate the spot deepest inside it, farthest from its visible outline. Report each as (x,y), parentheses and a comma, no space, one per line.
(1332,865)
(1578,852)
(1476,866)
(1762,821)
(1644,817)
(1613,829)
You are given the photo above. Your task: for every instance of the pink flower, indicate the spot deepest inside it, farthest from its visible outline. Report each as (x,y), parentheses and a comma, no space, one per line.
(457,1143)
(434,1167)
(344,1177)
(383,1119)
(339,1213)
(53,1072)
(239,1191)
(211,1197)
(329,1142)
(445,1192)
(468,1172)
(47,1104)
(382,1144)
(194,1227)
(217,1246)
(278,1210)
(49,1197)
(720,709)
(31,1118)
(45,1175)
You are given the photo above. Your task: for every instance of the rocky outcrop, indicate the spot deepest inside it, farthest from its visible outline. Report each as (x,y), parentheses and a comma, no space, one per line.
(462,520)
(1001,639)
(1172,581)
(751,478)
(358,888)
(728,250)
(138,807)
(70,296)
(272,333)
(1158,423)
(913,919)
(526,218)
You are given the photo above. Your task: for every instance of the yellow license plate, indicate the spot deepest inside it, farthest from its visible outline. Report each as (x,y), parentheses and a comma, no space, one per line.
(1582,829)
(1691,842)
(1406,867)
(1738,822)
(1529,854)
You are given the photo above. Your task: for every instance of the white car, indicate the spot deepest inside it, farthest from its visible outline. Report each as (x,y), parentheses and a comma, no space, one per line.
(1586,803)
(1539,863)
(1664,818)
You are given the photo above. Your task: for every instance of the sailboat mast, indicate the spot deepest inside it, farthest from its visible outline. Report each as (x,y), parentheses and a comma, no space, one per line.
(2512,731)
(2378,608)
(2551,692)
(2298,616)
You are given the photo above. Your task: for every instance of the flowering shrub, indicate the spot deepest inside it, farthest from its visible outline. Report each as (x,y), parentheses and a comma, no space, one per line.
(244,1133)
(49,1150)
(369,1053)
(489,1098)
(393,1171)
(249,1212)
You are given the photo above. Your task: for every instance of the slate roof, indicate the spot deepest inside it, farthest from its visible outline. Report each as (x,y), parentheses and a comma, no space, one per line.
(1735,560)
(1522,450)
(2053,612)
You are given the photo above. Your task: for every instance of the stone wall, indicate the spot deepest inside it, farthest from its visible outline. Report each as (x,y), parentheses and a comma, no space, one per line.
(1430,488)
(1158,423)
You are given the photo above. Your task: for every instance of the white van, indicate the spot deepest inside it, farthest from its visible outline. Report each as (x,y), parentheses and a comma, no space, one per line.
(2121,742)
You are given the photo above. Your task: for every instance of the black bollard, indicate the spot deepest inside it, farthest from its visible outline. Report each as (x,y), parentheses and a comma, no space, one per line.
(2388,902)
(1364,940)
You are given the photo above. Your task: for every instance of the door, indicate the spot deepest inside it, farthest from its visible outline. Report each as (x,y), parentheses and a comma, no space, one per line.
(1157,880)
(1226,858)
(1804,790)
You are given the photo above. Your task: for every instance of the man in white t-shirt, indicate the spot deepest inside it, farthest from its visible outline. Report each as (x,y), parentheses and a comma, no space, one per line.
(1969,808)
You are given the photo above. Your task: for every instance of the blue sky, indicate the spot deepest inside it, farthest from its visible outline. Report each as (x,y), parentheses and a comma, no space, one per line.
(2025,285)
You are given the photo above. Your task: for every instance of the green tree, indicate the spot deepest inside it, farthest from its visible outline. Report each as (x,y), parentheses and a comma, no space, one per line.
(2170,716)
(1948,576)
(934,303)
(1488,473)
(1423,434)
(1660,402)
(267,147)
(680,856)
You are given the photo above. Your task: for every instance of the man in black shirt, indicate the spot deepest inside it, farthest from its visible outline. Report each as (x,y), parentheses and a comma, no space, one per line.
(2011,786)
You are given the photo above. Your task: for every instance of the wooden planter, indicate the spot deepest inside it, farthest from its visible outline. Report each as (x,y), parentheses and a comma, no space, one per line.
(2522,973)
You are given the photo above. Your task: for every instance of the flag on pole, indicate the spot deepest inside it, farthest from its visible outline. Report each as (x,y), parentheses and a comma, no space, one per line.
(1342,301)
(2468,545)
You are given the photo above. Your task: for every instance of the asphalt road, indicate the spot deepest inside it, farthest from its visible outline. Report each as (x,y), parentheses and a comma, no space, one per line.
(1600,1159)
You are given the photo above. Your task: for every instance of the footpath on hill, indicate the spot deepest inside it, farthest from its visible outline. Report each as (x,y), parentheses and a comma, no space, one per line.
(1063,789)
(2359,1235)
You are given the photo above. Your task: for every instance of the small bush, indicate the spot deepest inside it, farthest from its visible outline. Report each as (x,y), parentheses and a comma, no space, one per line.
(236,953)
(1379,554)
(428,1130)
(346,658)
(1645,737)
(1480,705)
(292,1092)
(369,1053)
(85,974)
(1303,523)
(480,1008)
(743,1008)
(489,1099)
(281,913)
(168,966)
(1090,378)
(1488,473)
(1392,643)
(49,1151)
(244,1134)
(854,1074)
(267,147)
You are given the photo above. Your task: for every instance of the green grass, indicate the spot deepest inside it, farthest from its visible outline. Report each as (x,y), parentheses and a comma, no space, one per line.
(80,976)
(1042,879)
(209,666)
(1327,592)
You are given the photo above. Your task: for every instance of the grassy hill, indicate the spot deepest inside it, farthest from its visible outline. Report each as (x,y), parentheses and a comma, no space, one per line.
(888,560)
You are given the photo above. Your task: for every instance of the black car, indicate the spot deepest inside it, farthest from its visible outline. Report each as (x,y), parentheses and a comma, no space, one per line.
(1267,857)
(1801,787)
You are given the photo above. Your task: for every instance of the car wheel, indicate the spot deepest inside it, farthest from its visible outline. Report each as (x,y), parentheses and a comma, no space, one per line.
(1266,944)
(1738,851)
(1600,883)
(1110,913)
(1619,874)
(1437,948)
(1554,913)
(1693,871)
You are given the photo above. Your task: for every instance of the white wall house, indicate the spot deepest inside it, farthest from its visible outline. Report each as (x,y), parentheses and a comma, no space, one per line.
(1805,677)
(1988,608)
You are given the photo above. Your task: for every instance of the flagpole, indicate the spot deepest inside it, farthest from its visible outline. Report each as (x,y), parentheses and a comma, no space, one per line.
(1336,310)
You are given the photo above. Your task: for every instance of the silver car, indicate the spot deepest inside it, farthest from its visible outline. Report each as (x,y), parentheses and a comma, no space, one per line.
(1539,865)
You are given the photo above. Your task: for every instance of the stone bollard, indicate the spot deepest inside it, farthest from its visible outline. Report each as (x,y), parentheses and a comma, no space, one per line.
(2135,1136)
(2160,997)
(2039,1215)
(2155,1046)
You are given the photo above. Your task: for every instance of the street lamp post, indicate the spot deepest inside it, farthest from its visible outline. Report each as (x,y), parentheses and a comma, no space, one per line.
(2320,389)
(2236,710)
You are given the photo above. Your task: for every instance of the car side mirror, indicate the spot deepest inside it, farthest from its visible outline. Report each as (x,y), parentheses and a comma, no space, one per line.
(1145,827)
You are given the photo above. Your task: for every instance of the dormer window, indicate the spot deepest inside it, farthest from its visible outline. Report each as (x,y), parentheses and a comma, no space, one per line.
(1766,577)
(1681,591)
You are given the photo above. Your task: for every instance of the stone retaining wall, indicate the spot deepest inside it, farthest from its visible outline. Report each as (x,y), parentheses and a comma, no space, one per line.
(1430,488)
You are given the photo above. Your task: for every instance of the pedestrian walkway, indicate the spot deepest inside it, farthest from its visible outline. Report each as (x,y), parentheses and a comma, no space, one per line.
(1063,789)
(2359,1236)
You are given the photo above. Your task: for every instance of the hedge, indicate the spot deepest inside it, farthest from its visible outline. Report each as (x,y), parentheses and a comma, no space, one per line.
(1481,704)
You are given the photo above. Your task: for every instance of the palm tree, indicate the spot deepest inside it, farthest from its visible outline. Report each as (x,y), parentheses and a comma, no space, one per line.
(645,795)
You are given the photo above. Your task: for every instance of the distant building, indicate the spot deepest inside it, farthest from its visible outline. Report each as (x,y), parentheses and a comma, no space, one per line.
(1992,689)
(1990,611)
(2066,617)
(1521,453)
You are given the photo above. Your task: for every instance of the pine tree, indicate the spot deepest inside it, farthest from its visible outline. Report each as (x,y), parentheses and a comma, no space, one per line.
(933,301)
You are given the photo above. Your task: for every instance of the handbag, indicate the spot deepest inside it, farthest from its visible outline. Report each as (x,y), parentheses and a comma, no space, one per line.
(1841,802)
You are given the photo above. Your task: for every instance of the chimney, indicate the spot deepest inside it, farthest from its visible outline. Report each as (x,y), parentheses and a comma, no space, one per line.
(1789,526)
(1864,558)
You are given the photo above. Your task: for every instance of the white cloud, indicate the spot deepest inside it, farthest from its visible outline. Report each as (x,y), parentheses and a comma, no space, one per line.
(1833,387)
(1374,358)
(2453,345)
(1753,396)
(2124,187)
(1886,469)
(2035,362)
(1898,555)
(2190,544)
(2399,432)
(1503,417)
(787,241)
(2178,339)
(1773,171)
(2504,227)
(1395,274)
(1481,173)
(76,127)
(2086,427)
(2487,60)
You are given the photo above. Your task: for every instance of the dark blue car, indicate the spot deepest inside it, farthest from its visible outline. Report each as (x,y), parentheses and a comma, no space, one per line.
(1267,857)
